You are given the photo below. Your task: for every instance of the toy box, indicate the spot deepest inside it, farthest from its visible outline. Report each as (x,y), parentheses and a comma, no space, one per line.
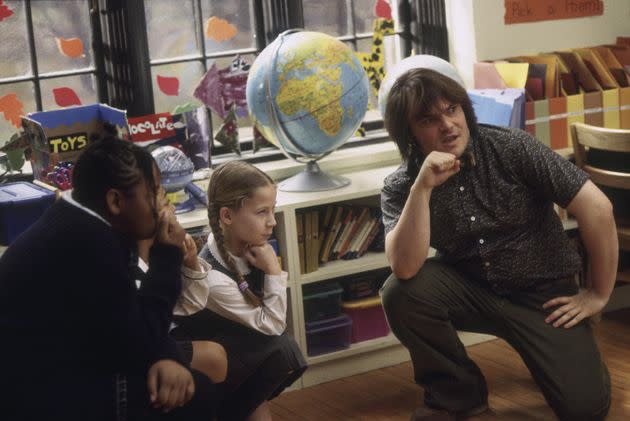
(21,204)
(368,318)
(57,138)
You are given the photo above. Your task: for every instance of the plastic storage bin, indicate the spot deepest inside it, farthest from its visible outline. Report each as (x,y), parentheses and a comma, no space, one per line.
(21,204)
(328,335)
(322,301)
(368,319)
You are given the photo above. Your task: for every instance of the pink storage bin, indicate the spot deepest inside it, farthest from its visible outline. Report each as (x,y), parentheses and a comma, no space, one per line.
(368,318)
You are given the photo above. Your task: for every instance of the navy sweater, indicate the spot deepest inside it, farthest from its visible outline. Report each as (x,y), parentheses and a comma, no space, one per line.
(71,317)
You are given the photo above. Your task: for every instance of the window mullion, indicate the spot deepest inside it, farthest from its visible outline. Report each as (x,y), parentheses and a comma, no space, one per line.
(31,42)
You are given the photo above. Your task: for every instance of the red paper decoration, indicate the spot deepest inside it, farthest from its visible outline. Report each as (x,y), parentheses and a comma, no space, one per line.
(168,85)
(65,97)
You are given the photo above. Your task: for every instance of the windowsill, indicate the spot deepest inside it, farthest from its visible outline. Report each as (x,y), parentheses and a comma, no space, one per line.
(340,161)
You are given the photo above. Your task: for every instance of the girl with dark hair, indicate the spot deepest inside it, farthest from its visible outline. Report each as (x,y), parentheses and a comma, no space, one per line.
(236,293)
(91,345)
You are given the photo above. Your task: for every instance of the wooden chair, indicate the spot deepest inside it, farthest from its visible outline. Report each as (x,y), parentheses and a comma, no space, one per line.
(587,139)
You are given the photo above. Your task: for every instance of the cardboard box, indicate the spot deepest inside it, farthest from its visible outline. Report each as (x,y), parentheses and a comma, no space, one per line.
(59,136)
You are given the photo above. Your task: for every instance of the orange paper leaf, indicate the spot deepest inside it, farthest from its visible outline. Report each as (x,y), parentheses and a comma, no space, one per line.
(70,47)
(220,29)
(12,108)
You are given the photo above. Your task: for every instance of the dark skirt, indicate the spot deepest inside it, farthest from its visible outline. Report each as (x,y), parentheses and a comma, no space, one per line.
(260,366)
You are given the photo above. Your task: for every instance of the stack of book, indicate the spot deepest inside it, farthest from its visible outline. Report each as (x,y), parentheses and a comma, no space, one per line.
(335,232)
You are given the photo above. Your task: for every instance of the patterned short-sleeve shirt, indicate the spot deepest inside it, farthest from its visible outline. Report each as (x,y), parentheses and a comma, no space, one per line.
(494,221)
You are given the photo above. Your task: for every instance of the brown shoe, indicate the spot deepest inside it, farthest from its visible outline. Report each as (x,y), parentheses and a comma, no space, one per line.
(424,413)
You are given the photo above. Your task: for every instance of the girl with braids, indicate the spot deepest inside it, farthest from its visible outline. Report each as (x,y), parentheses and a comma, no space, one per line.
(235,294)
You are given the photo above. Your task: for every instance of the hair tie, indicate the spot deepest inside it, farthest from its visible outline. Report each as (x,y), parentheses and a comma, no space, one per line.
(243,286)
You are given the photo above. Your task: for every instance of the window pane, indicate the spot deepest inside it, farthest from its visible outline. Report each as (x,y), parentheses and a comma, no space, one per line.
(58,92)
(14,57)
(178,78)
(172,28)
(63,37)
(24,93)
(319,16)
(227,25)
(363,15)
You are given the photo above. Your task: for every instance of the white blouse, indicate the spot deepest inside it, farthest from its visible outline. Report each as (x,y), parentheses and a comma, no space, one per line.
(218,292)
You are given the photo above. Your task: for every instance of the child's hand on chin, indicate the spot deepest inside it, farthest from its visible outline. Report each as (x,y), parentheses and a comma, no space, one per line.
(189,248)
(264,258)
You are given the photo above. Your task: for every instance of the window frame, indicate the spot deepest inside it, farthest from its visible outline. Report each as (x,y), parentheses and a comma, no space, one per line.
(36,77)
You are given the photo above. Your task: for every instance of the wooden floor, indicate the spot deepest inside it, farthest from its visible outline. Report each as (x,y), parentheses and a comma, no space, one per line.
(390,394)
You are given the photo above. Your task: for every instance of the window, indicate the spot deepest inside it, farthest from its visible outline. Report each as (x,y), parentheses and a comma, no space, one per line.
(181,47)
(46,59)
(147,56)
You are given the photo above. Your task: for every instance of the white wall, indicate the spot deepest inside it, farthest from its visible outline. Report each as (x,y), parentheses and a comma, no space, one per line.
(477,32)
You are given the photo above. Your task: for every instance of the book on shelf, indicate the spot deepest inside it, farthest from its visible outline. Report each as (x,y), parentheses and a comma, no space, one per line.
(362,219)
(353,253)
(299,223)
(331,234)
(349,220)
(376,229)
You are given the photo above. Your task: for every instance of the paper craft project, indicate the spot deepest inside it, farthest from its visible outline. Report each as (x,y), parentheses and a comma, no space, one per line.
(382,9)
(228,132)
(70,47)
(12,108)
(65,97)
(218,29)
(168,85)
(5,12)
(373,62)
(221,89)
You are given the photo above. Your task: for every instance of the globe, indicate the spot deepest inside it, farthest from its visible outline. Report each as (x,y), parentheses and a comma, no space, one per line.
(307,93)
(176,172)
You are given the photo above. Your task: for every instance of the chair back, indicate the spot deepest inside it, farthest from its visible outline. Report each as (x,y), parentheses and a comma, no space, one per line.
(601,138)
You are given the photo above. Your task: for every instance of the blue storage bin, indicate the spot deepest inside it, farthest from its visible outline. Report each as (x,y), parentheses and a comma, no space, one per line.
(21,204)
(321,301)
(328,335)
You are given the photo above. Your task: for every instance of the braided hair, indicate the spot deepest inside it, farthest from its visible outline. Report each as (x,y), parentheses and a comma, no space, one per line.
(110,163)
(231,183)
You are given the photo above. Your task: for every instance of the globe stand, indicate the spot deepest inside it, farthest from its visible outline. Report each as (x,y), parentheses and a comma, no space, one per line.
(312,178)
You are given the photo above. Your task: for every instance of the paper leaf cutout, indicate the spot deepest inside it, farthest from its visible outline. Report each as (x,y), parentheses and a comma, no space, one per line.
(218,29)
(220,89)
(382,9)
(70,47)
(65,97)
(5,12)
(168,85)
(12,108)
